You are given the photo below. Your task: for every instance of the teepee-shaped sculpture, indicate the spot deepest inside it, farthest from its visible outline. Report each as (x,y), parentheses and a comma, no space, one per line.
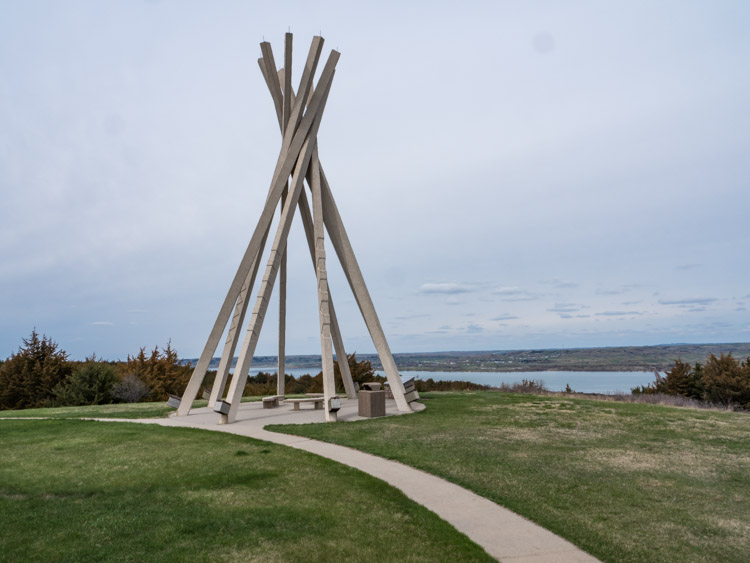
(299,119)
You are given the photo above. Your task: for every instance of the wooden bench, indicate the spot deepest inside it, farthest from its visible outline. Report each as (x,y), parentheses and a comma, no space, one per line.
(272,401)
(317,402)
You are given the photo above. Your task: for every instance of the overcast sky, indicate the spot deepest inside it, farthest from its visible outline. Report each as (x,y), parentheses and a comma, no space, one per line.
(511,174)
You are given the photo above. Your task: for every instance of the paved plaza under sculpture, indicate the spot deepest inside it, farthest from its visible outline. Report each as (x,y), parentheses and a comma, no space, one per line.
(299,116)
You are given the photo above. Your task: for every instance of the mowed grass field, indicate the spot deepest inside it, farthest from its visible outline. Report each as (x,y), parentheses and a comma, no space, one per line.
(625,482)
(99,491)
(120,410)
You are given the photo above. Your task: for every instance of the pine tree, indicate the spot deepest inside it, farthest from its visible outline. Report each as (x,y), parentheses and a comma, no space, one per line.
(161,371)
(28,377)
(727,381)
(90,383)
(362,371)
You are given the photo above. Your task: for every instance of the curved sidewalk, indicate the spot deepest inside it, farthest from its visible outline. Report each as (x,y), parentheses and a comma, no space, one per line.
(503,534)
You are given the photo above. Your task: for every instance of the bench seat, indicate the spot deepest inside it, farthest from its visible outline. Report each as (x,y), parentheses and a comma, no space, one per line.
(272,401)
(317,402)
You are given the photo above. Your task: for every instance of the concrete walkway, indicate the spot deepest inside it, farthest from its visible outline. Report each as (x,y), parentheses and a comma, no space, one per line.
(502,533)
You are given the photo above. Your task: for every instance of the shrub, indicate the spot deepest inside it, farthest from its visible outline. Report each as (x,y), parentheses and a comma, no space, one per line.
(423,385)
(684,381)
(262,384)
(722,381)
(130,389)
(161,371)
(27,379)
(727,381)
(362,371)
(533,386)
(90,383)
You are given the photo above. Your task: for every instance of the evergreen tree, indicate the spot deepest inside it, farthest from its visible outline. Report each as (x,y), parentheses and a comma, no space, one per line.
(161,371)
(27,379)
(90,383)
(727,381)
(362,371)
(683,380)
(696,388)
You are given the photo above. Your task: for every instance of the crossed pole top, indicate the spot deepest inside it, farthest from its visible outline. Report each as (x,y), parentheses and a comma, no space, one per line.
(283,94)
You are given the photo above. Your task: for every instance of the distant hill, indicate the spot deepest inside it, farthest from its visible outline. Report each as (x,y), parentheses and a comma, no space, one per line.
(621,358)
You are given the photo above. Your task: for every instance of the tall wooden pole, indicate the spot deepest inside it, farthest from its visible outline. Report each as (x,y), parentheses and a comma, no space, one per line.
(326,353)
(287,108)
(233,336)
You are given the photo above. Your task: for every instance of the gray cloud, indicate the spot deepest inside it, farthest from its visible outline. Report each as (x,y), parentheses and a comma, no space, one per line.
(569,316)
(446,288)
(511,294)
(505,317)
(623,288)
(617,313)
(557,283)
(695,301)
(609,291)
(527,297)
(508,290)
(414,316)
(565,308)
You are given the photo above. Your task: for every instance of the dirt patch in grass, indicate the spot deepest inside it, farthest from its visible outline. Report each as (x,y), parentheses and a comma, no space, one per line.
(688,463)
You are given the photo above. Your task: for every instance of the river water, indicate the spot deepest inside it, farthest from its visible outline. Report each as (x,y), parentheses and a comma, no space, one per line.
(581,381)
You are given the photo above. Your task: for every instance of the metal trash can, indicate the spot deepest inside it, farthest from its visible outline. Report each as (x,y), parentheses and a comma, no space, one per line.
(371,403)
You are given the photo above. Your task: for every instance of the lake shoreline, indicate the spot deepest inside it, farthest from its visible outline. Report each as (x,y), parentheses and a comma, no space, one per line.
(612,359)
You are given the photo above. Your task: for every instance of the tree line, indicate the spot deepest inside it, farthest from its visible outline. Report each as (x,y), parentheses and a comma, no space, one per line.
(41,374)
(722,380)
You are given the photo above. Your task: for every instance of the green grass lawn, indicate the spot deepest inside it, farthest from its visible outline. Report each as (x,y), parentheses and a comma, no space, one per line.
(120,410)
(94,491)
(625,482)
